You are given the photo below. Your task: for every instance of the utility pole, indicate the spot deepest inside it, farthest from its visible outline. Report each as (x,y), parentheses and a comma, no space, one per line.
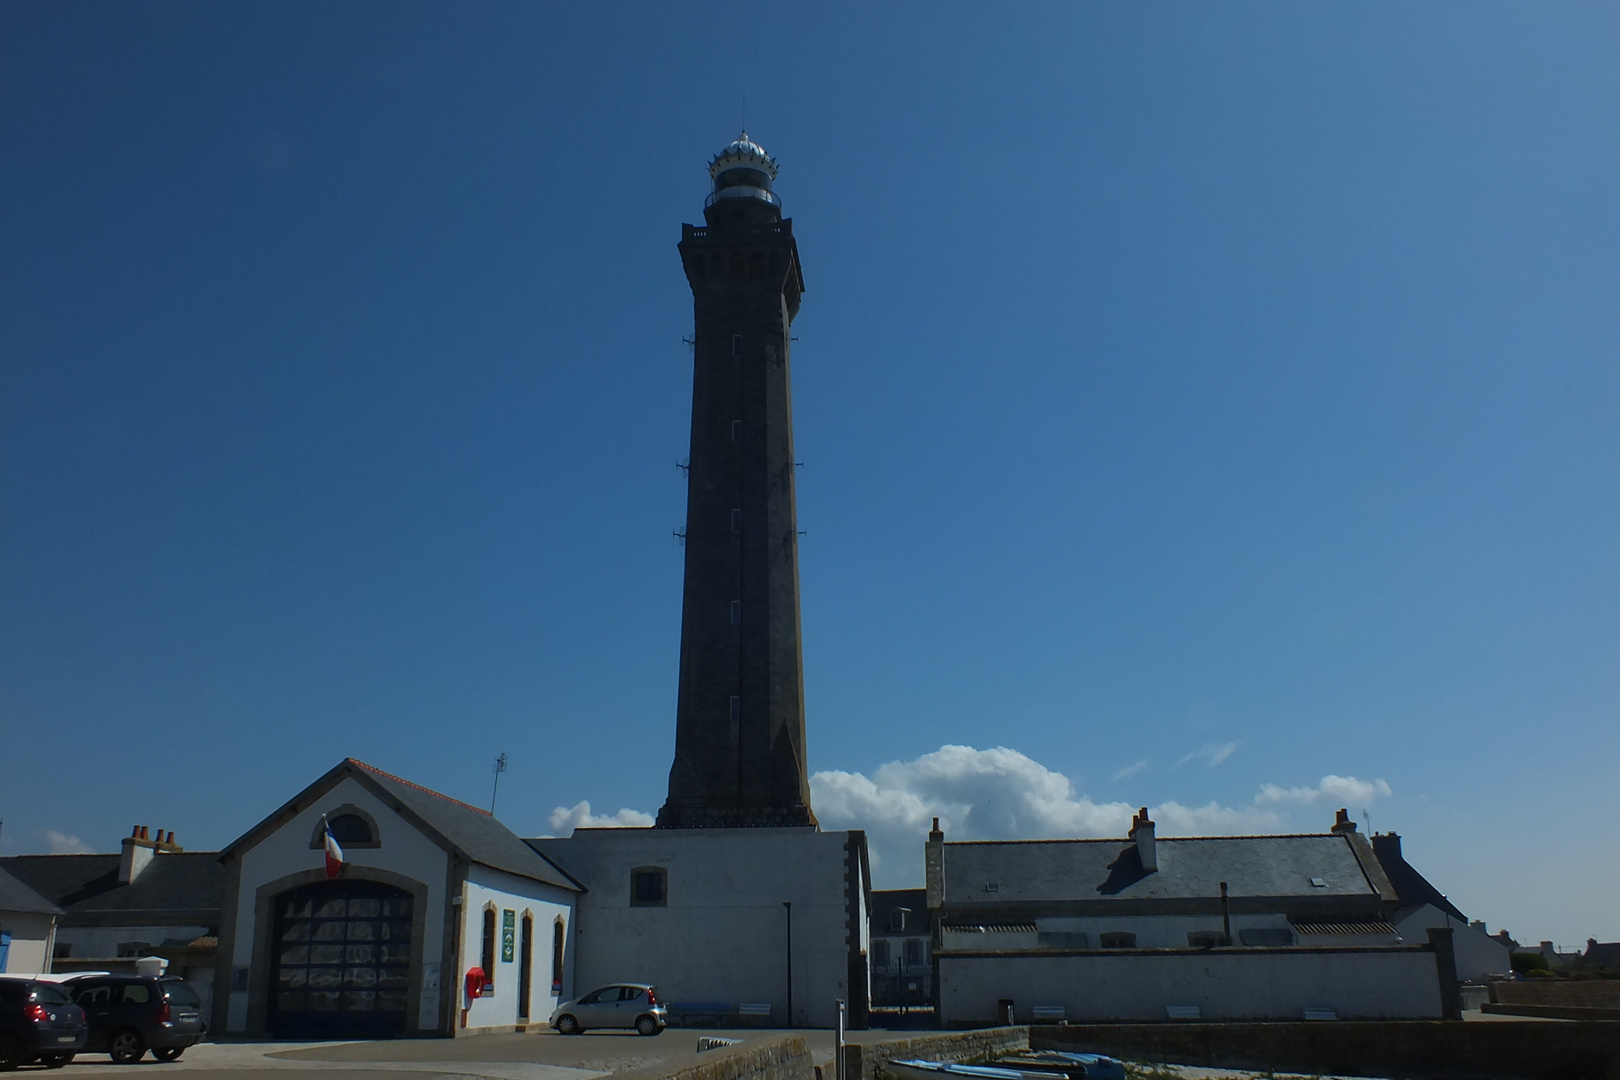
(500,767)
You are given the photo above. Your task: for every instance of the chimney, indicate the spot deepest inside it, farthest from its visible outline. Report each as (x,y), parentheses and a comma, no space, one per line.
(138,852)
(1342,823)
(1142,833)
(934,867)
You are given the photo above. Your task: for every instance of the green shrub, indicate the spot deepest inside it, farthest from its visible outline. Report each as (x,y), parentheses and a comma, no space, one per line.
(1526,962)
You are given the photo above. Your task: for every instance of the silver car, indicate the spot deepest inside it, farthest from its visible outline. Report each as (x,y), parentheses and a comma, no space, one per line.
(622,1005)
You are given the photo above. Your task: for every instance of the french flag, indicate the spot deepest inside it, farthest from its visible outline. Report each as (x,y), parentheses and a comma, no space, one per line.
(334,852)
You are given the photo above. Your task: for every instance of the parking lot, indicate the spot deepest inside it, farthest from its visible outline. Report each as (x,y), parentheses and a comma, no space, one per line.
(535,1056)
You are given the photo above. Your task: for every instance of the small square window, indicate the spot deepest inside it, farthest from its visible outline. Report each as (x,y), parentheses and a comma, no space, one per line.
(992,886)
(1318,883)
(649,887)
(736,613)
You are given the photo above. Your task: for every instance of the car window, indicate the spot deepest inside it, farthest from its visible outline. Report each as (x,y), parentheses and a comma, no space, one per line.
(179,993)
(98,994)
(596,996)
(49,994)
(628,993)
(136,994)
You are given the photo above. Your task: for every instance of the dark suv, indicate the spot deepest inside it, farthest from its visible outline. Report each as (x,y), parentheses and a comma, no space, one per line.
(129,1014)
(38,1022)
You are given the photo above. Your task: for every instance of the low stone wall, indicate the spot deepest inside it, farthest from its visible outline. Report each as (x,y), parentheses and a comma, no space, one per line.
(866,1061)
(1552,1012)
(1517,1050)
(786,1058)
(1577,993)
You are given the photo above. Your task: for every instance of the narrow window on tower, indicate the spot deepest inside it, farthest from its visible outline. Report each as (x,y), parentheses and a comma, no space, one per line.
(736,345)
(736,431)
(736,708)
(736,521)
(736,613)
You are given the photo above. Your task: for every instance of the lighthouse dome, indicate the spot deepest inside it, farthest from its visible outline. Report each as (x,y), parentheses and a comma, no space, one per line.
(743,170)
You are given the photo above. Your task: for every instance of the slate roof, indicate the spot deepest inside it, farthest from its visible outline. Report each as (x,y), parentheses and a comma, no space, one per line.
(466,830)
(1046,871)
(1412,887)
(18,897)
(885,901)
(177,888)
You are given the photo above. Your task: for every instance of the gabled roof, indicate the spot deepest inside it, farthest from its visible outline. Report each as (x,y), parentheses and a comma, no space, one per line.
(1188,868)
(177,888)
(460,828)
(18,897)
(1412,887)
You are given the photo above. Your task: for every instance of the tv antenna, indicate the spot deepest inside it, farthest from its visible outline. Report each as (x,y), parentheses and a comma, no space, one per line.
(500,767)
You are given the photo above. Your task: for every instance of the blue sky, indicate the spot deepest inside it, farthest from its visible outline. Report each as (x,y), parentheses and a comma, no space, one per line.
(1196,402)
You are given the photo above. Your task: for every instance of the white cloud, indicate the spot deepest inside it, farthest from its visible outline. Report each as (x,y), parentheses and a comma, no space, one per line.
(1211,753)
(1001,794)
(1131,770)
(564,820)
(61,843)
(1343,790)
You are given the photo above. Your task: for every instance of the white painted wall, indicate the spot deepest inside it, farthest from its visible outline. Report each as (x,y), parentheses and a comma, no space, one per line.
(1478,954)
(546,904)
(1157,931)
(722,937)
(1235,984)
(286,851)
(30,941)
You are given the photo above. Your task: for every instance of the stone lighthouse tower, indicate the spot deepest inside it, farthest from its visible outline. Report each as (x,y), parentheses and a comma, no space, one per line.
(739,738)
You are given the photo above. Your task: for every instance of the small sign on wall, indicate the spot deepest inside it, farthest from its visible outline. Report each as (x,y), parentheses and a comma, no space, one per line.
(508,936)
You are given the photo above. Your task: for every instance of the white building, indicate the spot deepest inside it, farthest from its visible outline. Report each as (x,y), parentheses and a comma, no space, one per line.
(27,928)
(430,888)
(1232,927)
(762,925)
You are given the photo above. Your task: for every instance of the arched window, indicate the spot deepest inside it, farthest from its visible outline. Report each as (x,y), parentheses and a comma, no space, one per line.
(487,954)
(352,827)
(649,885)
(558,937)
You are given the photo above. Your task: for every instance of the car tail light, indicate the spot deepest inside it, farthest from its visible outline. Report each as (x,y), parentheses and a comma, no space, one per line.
(652,996)
(163,1013)
(37,1013)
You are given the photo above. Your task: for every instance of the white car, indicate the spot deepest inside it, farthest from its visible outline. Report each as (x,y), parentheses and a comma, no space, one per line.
(622,1005)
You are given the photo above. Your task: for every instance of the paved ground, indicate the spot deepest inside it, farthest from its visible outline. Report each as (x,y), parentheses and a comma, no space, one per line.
(536,1056)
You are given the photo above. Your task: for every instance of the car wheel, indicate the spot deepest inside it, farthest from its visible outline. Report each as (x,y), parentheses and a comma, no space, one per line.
(55,1061)
(127,1047)
(168,1053)
(11,1052)
(567,1025)
(648,1025)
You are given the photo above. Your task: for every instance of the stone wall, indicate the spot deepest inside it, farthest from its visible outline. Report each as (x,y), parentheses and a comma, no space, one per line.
(866,1061)
(1520,1050)
(1578,993)
(768,1059)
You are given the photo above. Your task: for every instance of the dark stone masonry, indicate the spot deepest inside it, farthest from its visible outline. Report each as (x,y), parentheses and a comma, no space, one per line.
(739,740)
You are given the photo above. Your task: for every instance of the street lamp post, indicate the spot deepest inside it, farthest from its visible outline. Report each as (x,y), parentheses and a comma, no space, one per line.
(788,904)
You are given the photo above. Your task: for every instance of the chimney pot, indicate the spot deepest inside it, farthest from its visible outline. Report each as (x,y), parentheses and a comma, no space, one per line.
(1342,822)
(1146,848)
